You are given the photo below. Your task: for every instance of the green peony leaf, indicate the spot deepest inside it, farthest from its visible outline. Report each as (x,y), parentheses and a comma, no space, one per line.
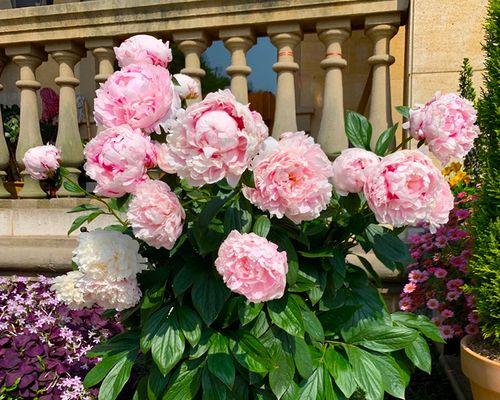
(117,377)
(168,344)
(358,130)
(286,314)
(419,354)
(219,360)
(262,225)
(209,295)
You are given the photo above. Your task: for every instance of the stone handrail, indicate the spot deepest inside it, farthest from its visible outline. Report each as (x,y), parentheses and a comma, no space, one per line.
(66,31)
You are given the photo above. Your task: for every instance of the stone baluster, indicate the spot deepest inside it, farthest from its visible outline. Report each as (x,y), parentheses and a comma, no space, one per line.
(28,57)
(238,41)
(67,54)
(102,49)
(331,135)
(4,151)
(285,37)
(193,44)
(380,29)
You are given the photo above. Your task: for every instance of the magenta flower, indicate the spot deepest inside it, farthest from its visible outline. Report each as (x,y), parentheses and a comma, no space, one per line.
(440,273)
(409,287)
(447,331)
(432,304)
(471,329)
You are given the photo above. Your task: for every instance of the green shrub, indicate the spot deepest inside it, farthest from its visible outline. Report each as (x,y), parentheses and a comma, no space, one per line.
(466,88)
(485,267)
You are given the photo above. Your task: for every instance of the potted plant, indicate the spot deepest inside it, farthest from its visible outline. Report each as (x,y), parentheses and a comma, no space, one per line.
(481,354)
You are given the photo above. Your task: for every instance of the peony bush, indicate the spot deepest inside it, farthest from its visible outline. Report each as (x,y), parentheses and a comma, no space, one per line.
(231,267)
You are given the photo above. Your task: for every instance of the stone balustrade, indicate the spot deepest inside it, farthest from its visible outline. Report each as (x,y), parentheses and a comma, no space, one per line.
(65,32)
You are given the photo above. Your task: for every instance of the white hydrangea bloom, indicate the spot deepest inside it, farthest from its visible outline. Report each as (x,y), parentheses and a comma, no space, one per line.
(117,294)
(65,287)
(108,255)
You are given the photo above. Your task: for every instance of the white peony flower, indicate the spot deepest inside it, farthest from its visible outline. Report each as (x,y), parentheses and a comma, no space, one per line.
(108,255)
(65,287)
(116,294)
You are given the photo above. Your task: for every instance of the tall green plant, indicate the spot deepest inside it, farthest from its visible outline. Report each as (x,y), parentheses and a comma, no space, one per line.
(467,91)
(484,266)
(466,88)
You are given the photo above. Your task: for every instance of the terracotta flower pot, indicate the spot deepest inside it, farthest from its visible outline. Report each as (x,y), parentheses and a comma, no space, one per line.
(483,373)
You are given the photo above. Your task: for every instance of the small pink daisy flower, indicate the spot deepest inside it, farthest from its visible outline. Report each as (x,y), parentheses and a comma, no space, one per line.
(409,287)
(453,295)
(405,304)
(440,273)
(447,313)
(432,304)
(446,331)
(417,276)
(472,329)
(454,284)
(473,317)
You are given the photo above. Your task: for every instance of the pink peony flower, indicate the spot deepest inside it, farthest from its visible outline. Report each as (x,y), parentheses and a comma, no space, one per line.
(41,161)
(405,304)
(350,169)
(156,215)
(405,188)
(447,124)
(143,49)
(409,287)
(447,331)
(440,273)
(252,266)
(432,304)
(212,140)
(187,87)
(472,329)
(142,96)
(446,313)
(118,159)
(291,178)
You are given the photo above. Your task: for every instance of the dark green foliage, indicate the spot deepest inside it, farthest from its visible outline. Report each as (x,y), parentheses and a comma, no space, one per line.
(485,266)
(467,91)
(486,272)
(466,88)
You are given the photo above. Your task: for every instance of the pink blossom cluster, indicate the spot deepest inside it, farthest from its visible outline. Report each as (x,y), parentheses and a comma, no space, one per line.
(143,49)
(43,344)
(252,266)
(405,188)
(139,95)
(447,124)
(212,140)
(42,161)
(291,178)
(118,160)
(436,278)
(156,215)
